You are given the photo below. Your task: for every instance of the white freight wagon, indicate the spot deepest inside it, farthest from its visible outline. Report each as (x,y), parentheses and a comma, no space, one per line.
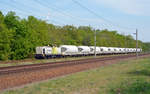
(104,50)
(69,50)
(84,50)
(92,50)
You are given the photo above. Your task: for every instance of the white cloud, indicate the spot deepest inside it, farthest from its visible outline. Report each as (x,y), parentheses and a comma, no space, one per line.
(134,7)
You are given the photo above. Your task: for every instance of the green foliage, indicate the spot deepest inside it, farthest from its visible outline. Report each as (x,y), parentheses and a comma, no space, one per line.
(19,37)
(146,46)
(5,37)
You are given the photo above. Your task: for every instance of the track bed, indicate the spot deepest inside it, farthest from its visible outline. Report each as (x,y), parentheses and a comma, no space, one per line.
(20,75)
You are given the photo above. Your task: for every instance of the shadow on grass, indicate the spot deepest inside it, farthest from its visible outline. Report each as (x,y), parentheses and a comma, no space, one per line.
(140,72)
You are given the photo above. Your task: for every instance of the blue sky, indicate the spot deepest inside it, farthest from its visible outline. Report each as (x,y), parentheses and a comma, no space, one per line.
(123,15)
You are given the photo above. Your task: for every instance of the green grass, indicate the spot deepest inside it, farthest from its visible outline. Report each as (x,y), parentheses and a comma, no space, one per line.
(139,86)
(126,77)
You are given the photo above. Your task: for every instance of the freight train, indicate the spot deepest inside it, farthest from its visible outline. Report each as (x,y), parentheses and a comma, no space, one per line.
(76,51)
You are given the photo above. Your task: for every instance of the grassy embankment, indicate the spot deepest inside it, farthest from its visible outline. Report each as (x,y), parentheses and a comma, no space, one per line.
(126,77)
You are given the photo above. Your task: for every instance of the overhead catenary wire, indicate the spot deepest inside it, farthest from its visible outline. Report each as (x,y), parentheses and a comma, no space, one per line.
(105,25)
(99,16)
(50,7)
(26,12)
(60,11)
(21,10)
(54,21)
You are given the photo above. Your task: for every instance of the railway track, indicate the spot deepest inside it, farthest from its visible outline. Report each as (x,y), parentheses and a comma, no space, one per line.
(14,76)
(34,67)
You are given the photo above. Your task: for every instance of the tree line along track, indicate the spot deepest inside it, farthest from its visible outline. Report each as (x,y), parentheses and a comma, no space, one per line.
(33,67)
